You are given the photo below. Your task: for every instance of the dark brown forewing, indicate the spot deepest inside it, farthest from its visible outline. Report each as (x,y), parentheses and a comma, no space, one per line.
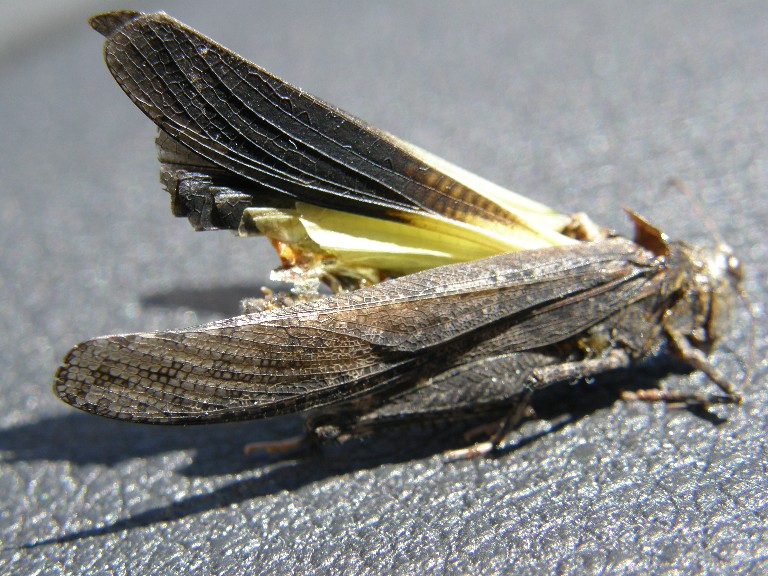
(242,118)
(324,351)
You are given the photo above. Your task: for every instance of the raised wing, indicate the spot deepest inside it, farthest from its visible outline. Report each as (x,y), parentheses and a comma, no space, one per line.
(224,117)
(317,353)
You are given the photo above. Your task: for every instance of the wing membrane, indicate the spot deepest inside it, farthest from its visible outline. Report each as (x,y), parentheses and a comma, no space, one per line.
(241,118)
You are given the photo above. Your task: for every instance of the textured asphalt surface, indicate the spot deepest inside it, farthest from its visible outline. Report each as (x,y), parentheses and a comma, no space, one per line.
(587,107)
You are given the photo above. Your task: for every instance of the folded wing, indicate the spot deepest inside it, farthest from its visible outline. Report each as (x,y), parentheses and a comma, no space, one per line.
(335,348)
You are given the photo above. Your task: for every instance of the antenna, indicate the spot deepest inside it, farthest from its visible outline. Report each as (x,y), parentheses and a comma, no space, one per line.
(675,182)
(752,358)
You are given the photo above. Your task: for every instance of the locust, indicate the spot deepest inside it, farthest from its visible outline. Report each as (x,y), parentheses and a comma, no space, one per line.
(453,297)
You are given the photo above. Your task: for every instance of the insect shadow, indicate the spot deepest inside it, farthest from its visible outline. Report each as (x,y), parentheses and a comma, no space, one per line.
(84,440)
(223,301)
(81,439)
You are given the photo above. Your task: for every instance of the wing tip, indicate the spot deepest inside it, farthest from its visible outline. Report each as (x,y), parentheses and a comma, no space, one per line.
(106,23)
(74,385)
(82,382)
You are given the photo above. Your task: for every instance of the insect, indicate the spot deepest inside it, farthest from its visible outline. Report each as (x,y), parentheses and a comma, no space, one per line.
(454,297)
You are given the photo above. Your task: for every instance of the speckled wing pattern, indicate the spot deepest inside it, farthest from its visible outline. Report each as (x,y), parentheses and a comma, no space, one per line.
(317,353)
